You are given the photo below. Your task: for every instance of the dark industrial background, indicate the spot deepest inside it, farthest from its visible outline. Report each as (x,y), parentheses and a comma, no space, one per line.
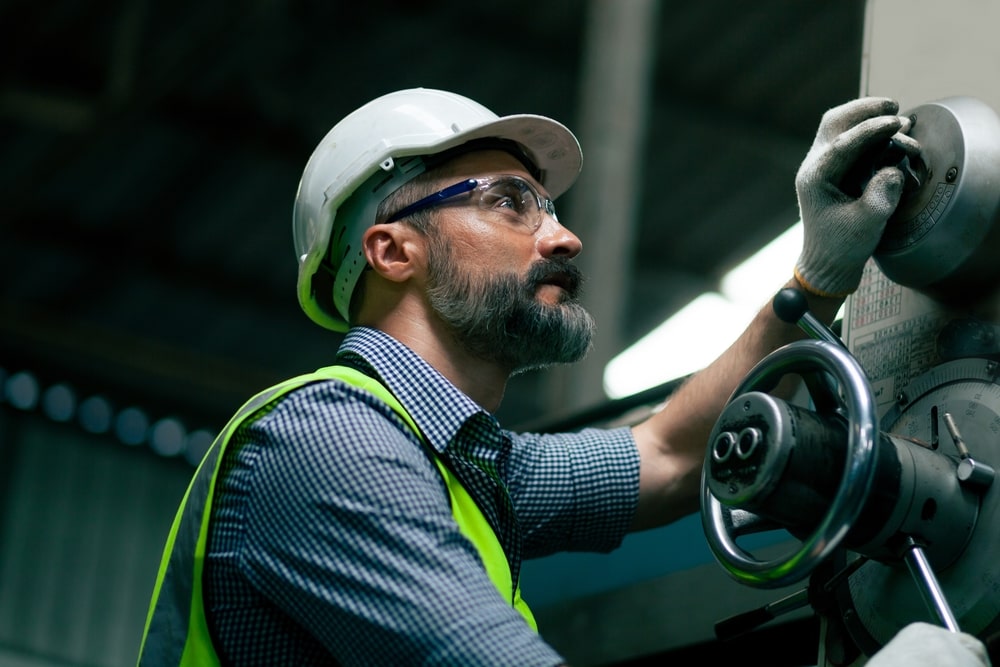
(150,153)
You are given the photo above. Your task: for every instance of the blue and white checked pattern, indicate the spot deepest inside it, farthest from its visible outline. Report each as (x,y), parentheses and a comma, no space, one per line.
(332,538)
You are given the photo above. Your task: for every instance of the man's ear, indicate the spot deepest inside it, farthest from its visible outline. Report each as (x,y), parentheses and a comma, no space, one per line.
(393,251)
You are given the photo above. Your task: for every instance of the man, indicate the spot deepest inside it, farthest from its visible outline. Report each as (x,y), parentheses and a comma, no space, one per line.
(374,512)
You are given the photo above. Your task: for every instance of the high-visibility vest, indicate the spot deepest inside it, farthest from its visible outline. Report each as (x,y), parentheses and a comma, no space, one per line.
(176,631)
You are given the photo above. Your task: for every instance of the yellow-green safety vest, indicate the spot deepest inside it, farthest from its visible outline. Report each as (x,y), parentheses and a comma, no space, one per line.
(176,631)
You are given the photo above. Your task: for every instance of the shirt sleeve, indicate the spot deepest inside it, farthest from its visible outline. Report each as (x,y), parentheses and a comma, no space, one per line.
(574,492)
(350,532)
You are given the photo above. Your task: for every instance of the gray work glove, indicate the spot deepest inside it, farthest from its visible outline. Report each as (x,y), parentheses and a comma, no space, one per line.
(842,229)
(926,645)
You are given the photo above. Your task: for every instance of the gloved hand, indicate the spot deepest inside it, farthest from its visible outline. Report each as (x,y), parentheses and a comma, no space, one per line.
(926,645)
(841,231)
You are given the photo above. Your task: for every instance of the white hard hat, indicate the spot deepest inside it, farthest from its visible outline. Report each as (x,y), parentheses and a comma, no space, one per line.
(369,148)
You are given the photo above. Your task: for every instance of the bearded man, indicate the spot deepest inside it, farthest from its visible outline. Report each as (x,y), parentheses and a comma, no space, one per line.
(374,512)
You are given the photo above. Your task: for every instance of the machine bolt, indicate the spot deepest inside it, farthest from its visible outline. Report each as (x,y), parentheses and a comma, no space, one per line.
(951,175)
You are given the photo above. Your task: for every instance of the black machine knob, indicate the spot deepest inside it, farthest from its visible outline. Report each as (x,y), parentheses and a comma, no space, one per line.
(790,306)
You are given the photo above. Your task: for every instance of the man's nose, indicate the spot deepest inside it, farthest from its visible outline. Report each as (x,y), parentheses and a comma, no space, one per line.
(555,239)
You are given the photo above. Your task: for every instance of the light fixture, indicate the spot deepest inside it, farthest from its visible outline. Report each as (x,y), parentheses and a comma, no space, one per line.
(700,331)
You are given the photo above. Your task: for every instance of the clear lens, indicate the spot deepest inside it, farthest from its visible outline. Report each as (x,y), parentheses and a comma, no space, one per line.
(515,198)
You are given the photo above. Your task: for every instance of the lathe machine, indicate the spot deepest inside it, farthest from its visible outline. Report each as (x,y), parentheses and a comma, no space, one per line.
(881,468)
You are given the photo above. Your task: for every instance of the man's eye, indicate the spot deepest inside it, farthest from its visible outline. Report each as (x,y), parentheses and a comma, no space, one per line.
(505,202)
(507,196)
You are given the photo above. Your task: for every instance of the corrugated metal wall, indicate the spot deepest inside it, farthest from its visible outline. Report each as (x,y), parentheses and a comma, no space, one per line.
(82,522)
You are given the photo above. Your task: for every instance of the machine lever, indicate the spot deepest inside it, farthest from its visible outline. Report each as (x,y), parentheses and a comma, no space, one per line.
(747,621)
(790,306)
(740,623)
(922,573)
(970,471)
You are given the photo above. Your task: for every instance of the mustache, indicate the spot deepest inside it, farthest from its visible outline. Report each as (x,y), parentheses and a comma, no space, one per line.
(556,271)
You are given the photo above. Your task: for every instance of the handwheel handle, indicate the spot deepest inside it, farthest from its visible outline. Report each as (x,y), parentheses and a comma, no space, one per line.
(859,468)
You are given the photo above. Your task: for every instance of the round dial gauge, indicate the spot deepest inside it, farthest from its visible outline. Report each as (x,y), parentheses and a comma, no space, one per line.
(884,597)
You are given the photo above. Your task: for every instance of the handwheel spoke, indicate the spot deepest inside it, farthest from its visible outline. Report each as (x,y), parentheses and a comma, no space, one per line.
(741,522)
(824,392)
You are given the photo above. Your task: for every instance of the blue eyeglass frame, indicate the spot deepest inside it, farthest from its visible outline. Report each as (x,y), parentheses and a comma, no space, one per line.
(441,196)
(432,200)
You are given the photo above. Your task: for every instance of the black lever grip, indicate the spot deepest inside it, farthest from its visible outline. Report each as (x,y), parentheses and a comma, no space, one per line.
(790,306)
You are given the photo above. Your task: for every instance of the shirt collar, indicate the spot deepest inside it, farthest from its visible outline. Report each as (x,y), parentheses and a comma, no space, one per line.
(438,407)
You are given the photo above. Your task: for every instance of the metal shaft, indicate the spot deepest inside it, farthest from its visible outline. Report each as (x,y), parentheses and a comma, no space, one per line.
(922,573)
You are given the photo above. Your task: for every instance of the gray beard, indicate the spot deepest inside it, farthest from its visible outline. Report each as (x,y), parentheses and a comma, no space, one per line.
(500,318)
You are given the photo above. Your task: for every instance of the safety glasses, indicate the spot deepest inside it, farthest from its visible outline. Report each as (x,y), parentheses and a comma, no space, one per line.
(509,197)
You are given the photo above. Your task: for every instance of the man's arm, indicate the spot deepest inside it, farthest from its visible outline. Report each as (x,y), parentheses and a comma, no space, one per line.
(841,230)
(672,443)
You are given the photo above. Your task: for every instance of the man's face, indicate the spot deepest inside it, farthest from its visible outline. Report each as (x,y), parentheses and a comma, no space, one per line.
(500,317)
(508,296)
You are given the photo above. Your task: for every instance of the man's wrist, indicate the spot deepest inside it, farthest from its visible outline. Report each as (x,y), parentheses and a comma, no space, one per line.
(823,306)
(812,289)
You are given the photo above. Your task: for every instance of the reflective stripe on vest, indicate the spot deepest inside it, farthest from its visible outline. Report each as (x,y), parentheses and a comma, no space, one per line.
(176,630)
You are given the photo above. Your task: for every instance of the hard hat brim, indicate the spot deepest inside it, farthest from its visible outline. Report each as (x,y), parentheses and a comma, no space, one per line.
(550,145)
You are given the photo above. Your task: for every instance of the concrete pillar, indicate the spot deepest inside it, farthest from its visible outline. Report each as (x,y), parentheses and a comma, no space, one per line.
(619,52)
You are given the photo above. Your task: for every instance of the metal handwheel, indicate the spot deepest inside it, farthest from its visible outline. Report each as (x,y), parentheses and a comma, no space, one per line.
(763,450)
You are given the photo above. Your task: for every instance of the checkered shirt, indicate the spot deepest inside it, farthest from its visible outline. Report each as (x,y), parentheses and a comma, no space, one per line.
(332,539)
